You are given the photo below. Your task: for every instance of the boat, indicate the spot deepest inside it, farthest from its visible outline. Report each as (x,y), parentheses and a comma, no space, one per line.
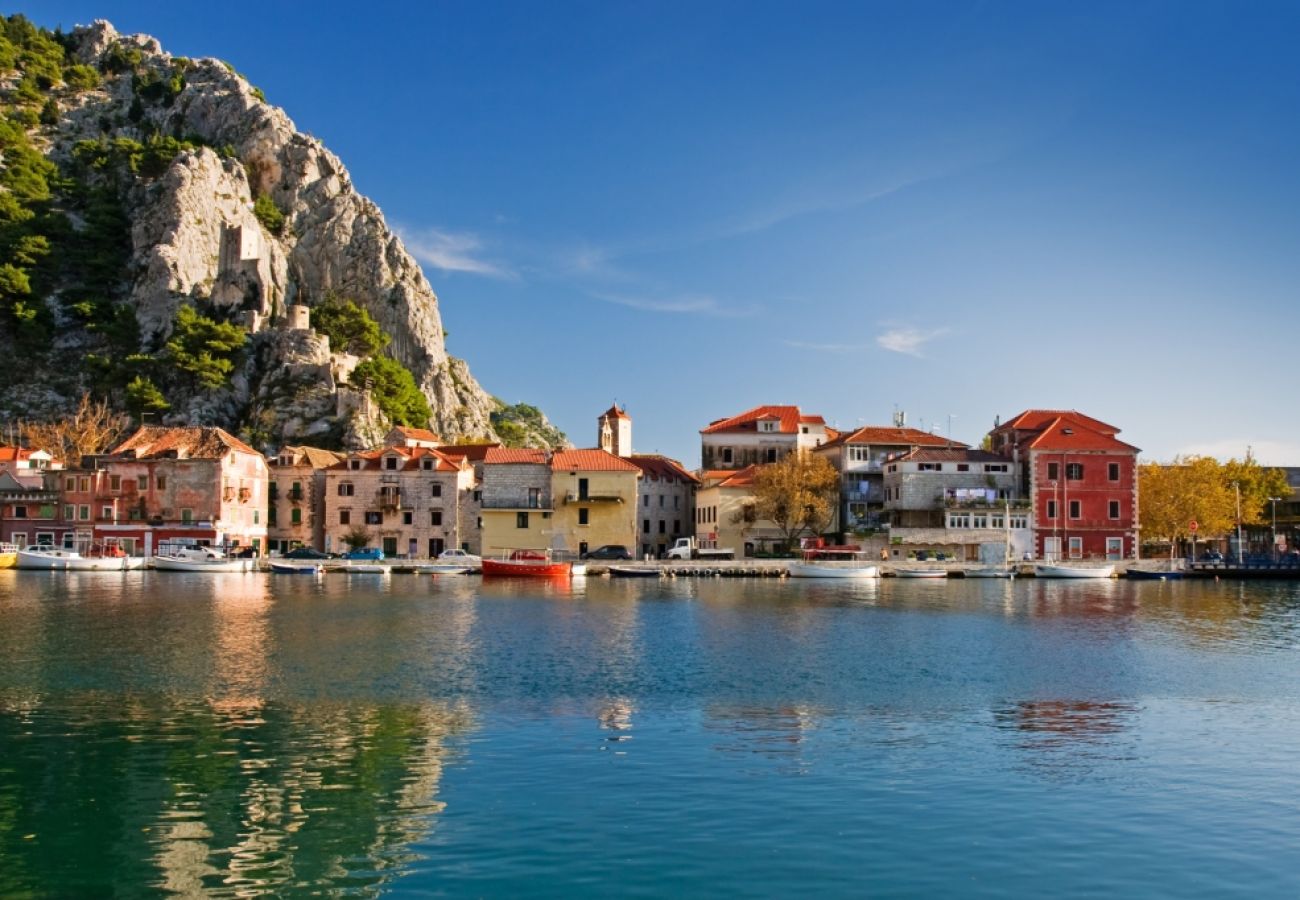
(633,572)
(364,569)
(527,564)
(8,556)
(200,559)
(45,557)
(991,572)
(1048,570)
(441,569)
(282,568)
(808,569)
(1152,575)
(921,573)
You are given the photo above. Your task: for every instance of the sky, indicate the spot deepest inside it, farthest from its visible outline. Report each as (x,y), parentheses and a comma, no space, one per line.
(956,210)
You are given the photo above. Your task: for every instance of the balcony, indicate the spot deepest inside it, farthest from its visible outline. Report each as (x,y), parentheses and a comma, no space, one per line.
(578,497)
(515,504)
(295,495)
(245,494)
(389,498)
(969,503)
(227,494)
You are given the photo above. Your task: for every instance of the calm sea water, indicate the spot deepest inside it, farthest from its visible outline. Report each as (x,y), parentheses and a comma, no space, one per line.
(243,734)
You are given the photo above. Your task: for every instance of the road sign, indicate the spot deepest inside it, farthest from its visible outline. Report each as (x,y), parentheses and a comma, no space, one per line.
(1192,526)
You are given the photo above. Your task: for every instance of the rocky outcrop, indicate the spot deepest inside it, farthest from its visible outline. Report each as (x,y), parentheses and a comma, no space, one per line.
(197,240)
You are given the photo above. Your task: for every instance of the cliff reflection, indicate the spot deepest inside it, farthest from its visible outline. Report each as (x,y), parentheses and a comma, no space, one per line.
(229,795)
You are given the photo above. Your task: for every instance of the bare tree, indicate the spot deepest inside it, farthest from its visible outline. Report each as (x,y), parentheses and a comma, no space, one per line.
(92,428)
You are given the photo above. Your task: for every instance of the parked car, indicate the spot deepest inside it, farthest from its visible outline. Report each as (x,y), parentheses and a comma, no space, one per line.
(609,551)
(307,553)
(1213,556)
(372,553)
(459,558)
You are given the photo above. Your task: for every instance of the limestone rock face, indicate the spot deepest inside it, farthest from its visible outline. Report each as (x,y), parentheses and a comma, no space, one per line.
(195,239)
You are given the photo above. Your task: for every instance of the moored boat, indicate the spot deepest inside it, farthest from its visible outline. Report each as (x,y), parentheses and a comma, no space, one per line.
(364,569)
(282,568)
(8,556)
(991,572)
(527,564)
(921,573)
(441,569)
(1152,575)
(1048,570)
(200,559)
(47,558)
(633,572)
(830,570)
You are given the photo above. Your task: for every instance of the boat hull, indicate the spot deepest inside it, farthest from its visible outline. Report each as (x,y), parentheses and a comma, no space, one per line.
(991,573)
(921,573)
(1148,575)
(1050,571)
(68,561)
(821,570)
(174,564)
(524,568)
(287,569)
(632,572)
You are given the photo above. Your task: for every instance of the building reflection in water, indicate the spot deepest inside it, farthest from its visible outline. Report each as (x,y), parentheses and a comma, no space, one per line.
(772,733)
(1070,739)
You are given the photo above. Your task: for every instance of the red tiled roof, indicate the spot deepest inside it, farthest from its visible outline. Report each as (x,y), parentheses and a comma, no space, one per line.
(471,452)
(888,435)
(412,459)
(196,443)
(662,467)
(789,416)
(1036,419)
(1066,433)
(955,454)
(591,461)
(313,456)
(730,477)
(15,454)
(417,434)
(502,455)
(615,413)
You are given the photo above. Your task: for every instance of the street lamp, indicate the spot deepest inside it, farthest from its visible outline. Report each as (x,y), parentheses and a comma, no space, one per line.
(1273,500)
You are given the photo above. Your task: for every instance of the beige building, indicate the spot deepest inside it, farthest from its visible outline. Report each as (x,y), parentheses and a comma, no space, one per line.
(760,435)
(410,502)
(665,503)
(725,517)
(296,504)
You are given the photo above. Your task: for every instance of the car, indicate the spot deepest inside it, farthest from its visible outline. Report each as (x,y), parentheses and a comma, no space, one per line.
(307,553)
(460,558)
(373,553)
(1212,556)
(609,551)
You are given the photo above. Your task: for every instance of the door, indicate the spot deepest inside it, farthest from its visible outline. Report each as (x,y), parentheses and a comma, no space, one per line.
(1114,548)
(1051,549)
(435,547)
(390,546)
(1076,548)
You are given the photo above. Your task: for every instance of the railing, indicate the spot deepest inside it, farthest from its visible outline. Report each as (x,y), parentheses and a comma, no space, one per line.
(389,499)
(245,494)
(295,494)
(994,505)
(509,503)
(578,497)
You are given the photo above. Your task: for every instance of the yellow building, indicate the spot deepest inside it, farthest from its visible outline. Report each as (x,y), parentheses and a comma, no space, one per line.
(594,495)
(725,517)
(516,504)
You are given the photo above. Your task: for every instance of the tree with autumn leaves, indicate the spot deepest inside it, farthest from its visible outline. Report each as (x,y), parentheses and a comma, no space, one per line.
(1201,489)
(798,494)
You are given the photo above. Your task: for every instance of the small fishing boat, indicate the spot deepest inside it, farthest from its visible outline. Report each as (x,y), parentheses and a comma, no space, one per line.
(282,568)
(442,569)
(633,572)
(1047,570)
(921,573)
(47,558)
(830,570)
(527,564)
(200,559)
(1152,575)
(364,569)
(991,572)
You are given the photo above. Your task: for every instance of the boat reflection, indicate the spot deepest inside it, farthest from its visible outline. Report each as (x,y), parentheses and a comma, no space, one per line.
(1070,739)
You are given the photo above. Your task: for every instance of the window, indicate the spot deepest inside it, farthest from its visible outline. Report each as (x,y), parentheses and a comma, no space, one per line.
(1074,471)
(677,526)
(84,484)
(257,517)
(771,454)
(645,500)
(1076,548)
(582,548)
(435,489)
(83,512)
(995,467)
(187,516)
(726,455)
(115,483)
(1112,471)
(583,487)
(295,516)
(645,526)
(345,517)
(354,465)
(1076,509)
(435,516)
(1114,509)
(390,462)
(70,484)
(161,481)
(521,520)
(929,467)
(676,503)
(478,496)
(1053,471)
(426,464)
(406,517)
(374,517)
(663,526)
(106,513)
(345,489)
(1051,509)
(20,512)
(534,498)
(583,516)
(963,467)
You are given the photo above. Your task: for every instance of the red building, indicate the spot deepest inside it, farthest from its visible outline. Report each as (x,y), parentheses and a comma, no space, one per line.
(1081,481)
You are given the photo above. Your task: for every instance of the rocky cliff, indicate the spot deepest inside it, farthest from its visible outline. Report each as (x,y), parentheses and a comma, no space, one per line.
(231,212)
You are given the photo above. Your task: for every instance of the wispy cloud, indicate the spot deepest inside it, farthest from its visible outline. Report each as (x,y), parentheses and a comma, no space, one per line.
(1265,452)
(828,348)
(908,340)
(683,304)
(452,252)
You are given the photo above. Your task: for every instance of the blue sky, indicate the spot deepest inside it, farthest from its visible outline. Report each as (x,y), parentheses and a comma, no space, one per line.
(954,209)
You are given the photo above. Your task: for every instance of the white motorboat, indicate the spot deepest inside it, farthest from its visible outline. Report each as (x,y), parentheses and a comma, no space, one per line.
(442,569)
(200,559)
(1046,570)
(921,573)
(47,558)
(831,570)
(460,558)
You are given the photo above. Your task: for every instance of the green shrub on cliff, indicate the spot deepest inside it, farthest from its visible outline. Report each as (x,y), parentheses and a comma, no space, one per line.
(394,390)
(349,327)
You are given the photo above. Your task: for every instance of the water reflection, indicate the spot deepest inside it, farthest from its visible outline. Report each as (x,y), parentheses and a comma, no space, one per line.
(1070,739)
(221,796)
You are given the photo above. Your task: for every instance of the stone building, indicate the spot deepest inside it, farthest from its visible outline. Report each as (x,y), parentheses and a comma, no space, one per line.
(409,501)
(296,500)
(665,506)
(760,435)
(517,503)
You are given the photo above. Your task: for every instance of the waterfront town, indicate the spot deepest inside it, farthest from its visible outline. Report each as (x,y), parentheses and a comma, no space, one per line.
(1044,485)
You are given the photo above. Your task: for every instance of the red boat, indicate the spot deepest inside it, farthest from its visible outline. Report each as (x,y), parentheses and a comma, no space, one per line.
(527,564)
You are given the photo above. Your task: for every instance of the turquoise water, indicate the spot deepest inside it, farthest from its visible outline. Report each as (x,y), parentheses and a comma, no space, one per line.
(244,734)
